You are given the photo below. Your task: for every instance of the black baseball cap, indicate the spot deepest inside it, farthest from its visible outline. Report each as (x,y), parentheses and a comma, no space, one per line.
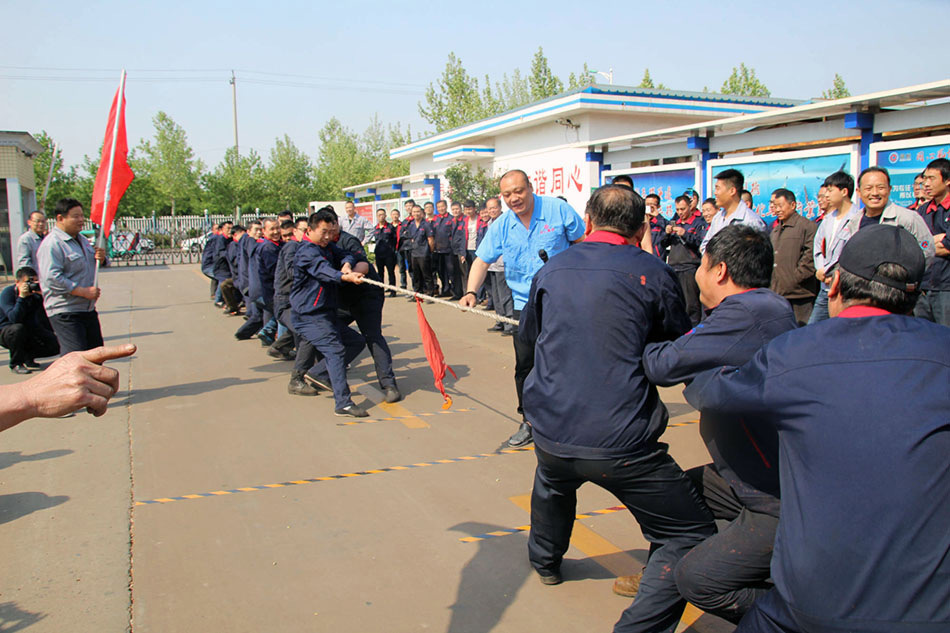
(884,244)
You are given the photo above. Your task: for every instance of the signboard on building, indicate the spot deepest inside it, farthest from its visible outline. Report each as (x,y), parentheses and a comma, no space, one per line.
(905,159)
(801,172)
(560,173)
(668,182)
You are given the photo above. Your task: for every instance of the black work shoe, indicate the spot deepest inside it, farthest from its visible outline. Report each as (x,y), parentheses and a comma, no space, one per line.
(273,352)
(319,383)
(392,395)
(549,578)
(522,437)
(498,327)
(20,369)
(32,364)
(351,410)
(507,332)
(297,386)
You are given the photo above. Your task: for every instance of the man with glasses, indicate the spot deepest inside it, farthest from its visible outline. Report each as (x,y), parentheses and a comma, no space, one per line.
(30,241)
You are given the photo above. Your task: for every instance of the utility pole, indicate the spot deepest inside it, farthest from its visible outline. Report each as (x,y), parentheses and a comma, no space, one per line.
(233,83)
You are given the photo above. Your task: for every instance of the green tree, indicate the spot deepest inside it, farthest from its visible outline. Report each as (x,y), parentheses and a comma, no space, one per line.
(647,81)
(236,182)
(512,92)
(171,162)
(454,99)
(581,80)
(289,177)
(471,183)
(743,82)
(340,161)
(543,82)
(838,89)
(63,181)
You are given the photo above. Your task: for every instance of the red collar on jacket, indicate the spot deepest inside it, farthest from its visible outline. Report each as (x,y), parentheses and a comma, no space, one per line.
(688,220)
(856,312)
(606,237)
(933,204)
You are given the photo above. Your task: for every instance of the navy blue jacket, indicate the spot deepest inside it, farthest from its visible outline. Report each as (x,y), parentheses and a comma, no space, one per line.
(443,228)
(385,238)
(247,246)
(460,242)
(591,311)
(746,455)
(403,243)
(937,217)
(266,255)
(26,310)
(418,238)
(233,255)
(315,284)
(684,250)
(253,271)
(658,236)
(284,276)
(207,254)
(219,256)
(862,409)
(353,293)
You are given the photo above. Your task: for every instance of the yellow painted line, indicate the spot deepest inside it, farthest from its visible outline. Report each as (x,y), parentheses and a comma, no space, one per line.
(220,492)
(164,500)
(192,496)
(609,556)
(248,489)
(273,485)
(408,418)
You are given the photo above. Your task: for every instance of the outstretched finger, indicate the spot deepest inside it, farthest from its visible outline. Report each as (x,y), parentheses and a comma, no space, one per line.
(100,355)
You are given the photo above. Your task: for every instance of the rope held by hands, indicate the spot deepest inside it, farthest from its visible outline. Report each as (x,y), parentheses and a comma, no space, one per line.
(451,304)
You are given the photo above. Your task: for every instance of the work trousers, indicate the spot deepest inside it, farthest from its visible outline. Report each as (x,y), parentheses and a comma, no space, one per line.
(422,275)
(254,322)
(802,309)
(446,267)
(28,343)
(367,311)
(524,363)
(687,279)
(404,263)
(671,514)
(77,331)
(386,263)
(231,295)
(934,305)
(501,298)
(730,570)
(214,289)
(327,336)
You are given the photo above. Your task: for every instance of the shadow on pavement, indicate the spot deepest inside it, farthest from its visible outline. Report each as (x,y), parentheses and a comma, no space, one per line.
(20,504)
(13,618)
(138,396)
(489,581)
(15,457)
(135,335)
(677,409)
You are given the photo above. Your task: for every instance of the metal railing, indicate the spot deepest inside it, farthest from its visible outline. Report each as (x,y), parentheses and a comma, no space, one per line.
(164,257)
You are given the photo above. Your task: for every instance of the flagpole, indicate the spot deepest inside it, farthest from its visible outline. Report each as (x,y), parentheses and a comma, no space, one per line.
(101,242)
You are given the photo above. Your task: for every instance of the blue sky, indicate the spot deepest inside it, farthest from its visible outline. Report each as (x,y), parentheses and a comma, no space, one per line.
(316,60)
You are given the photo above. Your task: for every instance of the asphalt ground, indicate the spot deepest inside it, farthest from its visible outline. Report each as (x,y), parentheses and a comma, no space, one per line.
(208,499)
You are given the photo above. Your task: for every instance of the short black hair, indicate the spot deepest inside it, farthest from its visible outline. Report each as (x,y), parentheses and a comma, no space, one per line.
(26,271)
(874,169)
(623,180)
(456,203)
(711,201)
(226,222)
(287,224)
(299,219)
(468,204)
(854,288)
(237,228)
(285,213)
(747,254)
(318,217)
(253,222)
(443,202)
(490,198)
(685,199)
(409,201)
(732,176)
(428,203)
(841,180)
(650,195)
(329,209)
(746,191)
(65,204)
(782,192)
(920,175)
(942,165)
(616,208)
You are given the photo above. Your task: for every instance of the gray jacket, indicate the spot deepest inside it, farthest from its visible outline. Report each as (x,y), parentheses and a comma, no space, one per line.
(895,215)
(65,263)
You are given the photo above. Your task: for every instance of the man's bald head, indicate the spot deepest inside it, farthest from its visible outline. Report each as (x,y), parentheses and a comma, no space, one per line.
(617,209)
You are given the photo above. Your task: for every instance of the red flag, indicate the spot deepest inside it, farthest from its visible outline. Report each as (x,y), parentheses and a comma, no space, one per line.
(121,172)
(434,354)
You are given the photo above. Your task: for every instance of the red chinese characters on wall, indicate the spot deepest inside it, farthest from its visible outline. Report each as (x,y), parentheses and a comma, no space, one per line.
(555,183)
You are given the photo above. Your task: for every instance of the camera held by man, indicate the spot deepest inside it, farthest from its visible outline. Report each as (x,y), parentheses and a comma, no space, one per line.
(24,328)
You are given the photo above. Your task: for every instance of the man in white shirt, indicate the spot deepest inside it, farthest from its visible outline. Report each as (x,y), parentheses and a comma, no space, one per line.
(732,210)
(354,224)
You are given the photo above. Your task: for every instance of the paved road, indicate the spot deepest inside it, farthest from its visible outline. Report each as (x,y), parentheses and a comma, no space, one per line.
(207,499)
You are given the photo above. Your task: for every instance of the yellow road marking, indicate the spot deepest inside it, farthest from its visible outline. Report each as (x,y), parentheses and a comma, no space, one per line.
(408,418)
(609,556)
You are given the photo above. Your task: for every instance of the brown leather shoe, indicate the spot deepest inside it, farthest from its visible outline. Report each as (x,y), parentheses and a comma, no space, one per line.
(628,585)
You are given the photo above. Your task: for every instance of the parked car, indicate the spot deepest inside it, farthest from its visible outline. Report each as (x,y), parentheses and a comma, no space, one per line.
(195,244)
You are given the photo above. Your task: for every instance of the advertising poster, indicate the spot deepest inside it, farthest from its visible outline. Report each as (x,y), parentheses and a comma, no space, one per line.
(803,176)
(904,164)
(666,184)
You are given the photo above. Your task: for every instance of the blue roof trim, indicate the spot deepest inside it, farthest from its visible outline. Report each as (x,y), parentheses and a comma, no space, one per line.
(579,100)
(460,150)
(669,106)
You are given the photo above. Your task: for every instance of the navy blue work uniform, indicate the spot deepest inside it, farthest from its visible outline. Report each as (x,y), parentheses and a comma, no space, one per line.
(658,236)
(444,262)
(25,329)
(590,312)
(314,302)
(404,250)
(385,251)
(684,258)
(207,261)
(267,254)
(727,572)
(254,292)
(861,406)
(934,302)
(418,239)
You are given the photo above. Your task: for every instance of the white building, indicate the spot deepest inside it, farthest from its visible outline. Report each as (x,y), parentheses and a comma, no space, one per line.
(17,189)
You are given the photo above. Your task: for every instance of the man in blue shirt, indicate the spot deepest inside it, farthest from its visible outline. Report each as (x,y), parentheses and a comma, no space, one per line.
(862,541)
(531,225)
(596,417)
